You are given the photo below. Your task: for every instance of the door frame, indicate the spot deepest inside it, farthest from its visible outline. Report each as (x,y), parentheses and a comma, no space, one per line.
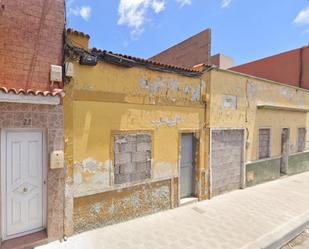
(196,159)
(3,180)
(242,166)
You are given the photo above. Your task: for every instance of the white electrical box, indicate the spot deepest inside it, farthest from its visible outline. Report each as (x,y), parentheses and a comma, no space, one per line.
(56,73)
(69,69)
(57,159)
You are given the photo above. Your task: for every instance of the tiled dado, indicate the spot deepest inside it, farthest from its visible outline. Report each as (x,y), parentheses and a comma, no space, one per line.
(50,119)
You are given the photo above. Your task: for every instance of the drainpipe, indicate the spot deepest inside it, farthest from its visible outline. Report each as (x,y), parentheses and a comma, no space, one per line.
(301,62)
(206,129)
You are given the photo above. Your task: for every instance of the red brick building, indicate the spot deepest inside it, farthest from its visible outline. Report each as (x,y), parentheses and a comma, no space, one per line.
(31,121)
(188,53)
(291,67)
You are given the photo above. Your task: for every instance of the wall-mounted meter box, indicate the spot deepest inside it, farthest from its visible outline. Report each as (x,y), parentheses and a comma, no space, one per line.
(56,159)
(55,73)
(69,69)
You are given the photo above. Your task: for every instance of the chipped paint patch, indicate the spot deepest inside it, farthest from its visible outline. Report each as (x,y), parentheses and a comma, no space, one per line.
(168,122)
(90,165)
(91,176)
(196,94)
(251,90)
(171,89)
(286,92)
(186,89)
(164,170)
(96,208)
(117,206)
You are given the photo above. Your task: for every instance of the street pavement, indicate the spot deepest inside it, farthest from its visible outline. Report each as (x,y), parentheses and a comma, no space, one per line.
(300,242)
(256,217)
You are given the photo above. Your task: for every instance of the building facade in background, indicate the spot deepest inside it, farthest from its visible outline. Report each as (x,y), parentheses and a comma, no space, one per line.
(222,61)
(31,124)
(257,130)
(291,67)
(188,53)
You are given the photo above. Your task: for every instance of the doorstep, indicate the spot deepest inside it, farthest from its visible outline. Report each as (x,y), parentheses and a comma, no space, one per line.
(25,242)
(188,200)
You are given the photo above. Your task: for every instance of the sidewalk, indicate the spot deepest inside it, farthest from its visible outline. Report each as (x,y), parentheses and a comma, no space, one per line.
(258,217)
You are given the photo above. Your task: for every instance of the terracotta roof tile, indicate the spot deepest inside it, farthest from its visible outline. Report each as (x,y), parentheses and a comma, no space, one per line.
(145,61)
(21,91)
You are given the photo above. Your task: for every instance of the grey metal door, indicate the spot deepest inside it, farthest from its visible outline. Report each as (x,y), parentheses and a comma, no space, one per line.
(285,150)
(186,166)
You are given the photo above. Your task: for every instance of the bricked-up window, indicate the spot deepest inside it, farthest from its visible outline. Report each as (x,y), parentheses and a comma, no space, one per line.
(264,143)
(132,153)
(301,139)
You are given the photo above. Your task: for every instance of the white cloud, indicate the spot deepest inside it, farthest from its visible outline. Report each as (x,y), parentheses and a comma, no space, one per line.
(184,2)
(133,13)
(158,6)
(84,11)
(225,3)
(303,16)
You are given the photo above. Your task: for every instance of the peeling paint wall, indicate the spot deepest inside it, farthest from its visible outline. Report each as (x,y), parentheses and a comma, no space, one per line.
(117,206)
(251,93)
(259,104)
(106,100)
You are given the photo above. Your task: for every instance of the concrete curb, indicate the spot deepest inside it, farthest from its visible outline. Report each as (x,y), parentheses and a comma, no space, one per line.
(282,235)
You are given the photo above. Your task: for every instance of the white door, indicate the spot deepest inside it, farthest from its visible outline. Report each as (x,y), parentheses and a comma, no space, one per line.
(23,179)
(186,166)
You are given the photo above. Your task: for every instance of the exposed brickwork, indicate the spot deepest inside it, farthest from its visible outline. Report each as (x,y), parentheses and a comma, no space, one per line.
(132,157)
(291,67)
(226,160)
(264,143)
(191,52)
(31,40)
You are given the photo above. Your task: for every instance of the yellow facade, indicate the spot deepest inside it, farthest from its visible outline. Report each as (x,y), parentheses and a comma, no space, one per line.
(260,104)
(106,100)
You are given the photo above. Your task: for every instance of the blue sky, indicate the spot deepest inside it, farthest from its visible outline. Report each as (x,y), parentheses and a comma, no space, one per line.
(243,29)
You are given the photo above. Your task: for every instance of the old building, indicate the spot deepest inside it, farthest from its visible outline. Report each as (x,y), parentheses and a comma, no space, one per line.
(291,67)
(257,130)
(31,41)
(134,137)
(142,136)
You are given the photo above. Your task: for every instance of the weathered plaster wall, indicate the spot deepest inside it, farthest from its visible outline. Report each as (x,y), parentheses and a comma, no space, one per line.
(50,120)
(117,206)
(236,101)
(262,171)
(250,93)
(105,100)
(298,162)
